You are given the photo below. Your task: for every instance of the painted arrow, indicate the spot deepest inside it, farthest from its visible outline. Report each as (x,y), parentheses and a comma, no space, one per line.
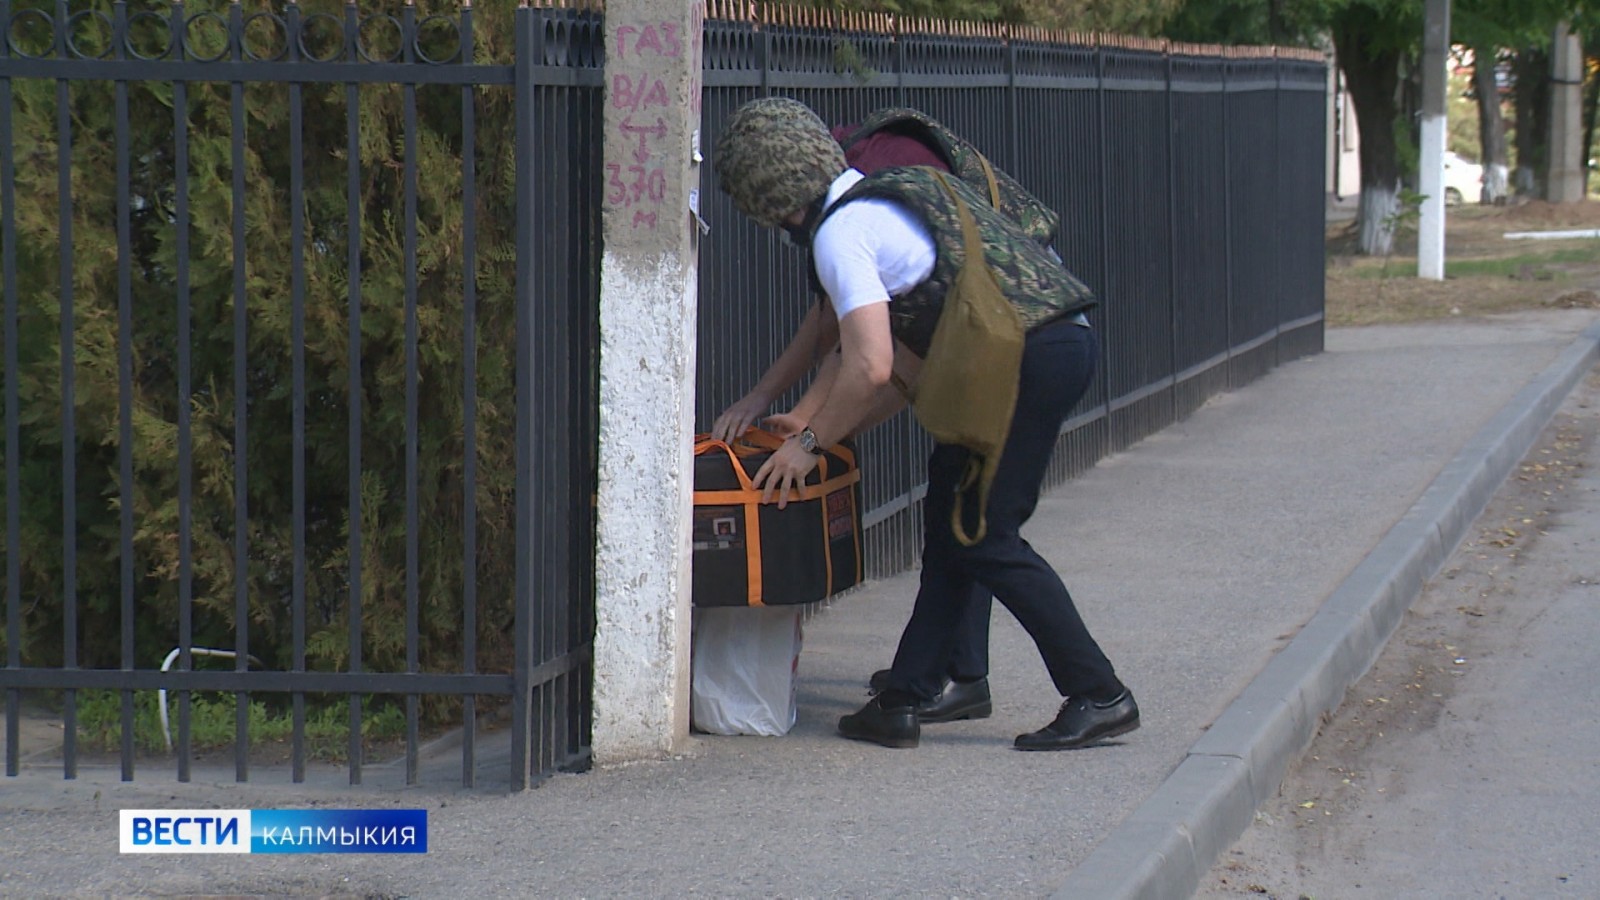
(657,131)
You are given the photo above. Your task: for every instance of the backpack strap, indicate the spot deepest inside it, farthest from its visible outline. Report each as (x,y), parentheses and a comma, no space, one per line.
(980,471)
(994,187)
(971,241)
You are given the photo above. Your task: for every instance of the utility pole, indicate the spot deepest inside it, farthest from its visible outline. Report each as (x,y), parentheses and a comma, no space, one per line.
(648,299)
(1435,84)
(1565,181)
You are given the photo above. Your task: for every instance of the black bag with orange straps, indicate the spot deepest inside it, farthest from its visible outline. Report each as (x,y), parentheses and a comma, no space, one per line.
(747,553)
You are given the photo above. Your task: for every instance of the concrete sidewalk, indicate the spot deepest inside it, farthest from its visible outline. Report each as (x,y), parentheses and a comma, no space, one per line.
(1274,519)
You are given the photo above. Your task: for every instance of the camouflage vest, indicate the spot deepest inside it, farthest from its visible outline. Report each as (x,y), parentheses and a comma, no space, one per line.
(1037,285)
(1030,213)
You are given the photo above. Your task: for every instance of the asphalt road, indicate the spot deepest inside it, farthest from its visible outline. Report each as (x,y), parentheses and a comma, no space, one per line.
(1464,764)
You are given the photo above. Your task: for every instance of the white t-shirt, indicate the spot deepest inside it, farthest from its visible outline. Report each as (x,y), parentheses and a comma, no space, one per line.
(870,250)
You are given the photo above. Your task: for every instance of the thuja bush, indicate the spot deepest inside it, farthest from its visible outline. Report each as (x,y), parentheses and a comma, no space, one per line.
(154,262)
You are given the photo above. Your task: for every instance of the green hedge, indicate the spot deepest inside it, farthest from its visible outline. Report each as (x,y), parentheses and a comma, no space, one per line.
(154,261)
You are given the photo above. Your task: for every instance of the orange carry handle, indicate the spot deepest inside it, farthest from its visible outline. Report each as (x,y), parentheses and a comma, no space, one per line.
(753,441)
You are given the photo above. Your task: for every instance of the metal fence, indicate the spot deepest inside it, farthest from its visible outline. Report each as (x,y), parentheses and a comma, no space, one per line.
(299,392)
(1189,181)
(300,329)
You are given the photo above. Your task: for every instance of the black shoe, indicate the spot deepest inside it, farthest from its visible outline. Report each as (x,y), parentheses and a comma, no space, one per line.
(894,726)
(1083,723)
(958,700)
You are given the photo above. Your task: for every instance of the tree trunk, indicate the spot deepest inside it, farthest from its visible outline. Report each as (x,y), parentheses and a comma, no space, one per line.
(1491,124)
(1591,106)
(1531,98)
(1372,77)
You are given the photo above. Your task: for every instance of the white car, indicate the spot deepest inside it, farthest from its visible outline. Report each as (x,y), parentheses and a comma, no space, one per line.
(1462,179)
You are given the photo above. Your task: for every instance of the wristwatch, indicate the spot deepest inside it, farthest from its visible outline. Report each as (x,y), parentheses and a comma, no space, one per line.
(808,441)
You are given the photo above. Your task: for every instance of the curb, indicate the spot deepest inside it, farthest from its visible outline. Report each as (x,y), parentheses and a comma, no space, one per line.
(1168,844)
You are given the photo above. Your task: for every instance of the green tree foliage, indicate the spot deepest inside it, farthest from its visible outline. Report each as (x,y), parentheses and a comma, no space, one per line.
(1280,22)
(1376,40)
(1519,32)
(1509,23)
(1591,97)
(1136,17)
(957,10)
(155,289)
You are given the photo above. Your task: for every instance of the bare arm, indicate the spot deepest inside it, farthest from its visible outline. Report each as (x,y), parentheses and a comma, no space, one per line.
(886,401)
(865,361)
(817,394)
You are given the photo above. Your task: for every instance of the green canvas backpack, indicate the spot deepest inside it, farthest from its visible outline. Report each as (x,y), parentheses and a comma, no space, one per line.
(967,392)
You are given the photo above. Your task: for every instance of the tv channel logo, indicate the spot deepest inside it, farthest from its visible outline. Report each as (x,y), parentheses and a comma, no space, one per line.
(274,831)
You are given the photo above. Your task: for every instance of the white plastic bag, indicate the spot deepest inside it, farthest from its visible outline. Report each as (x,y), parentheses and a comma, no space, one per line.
(745,663)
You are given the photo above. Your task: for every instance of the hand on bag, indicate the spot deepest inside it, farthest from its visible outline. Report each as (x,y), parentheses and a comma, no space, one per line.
(737,419)
(784,470)
(784,424)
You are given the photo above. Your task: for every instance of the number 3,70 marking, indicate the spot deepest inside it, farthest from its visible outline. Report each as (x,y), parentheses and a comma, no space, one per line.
(645,185)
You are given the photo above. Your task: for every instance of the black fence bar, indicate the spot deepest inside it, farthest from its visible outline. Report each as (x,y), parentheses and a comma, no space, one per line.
(1064,157)
(1199,239)
(546,393)
(1303,125)
(8,279)
(353,391)
(1137,293)
(1175,349)
(528,39)
(297,343)
(241,393)
(575,410)
(180,167)
(69,440)
(1251,129)
(413,523)
(1101,389)
(584,463)
(469,410)
(125,487)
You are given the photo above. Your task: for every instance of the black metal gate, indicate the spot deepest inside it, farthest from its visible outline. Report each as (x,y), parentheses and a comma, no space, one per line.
(299,410)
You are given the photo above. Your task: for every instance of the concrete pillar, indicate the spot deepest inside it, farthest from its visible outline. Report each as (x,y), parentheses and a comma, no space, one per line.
(1565,182)
(647,373)
(1435,90)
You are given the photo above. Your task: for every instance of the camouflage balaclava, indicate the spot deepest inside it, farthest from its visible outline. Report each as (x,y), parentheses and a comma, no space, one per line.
(775,157)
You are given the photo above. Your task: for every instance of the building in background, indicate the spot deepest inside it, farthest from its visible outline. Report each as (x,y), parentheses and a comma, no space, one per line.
(1344,140)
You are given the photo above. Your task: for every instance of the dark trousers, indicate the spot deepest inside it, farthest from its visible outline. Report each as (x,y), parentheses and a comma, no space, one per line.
(1058,363)
(969,648)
